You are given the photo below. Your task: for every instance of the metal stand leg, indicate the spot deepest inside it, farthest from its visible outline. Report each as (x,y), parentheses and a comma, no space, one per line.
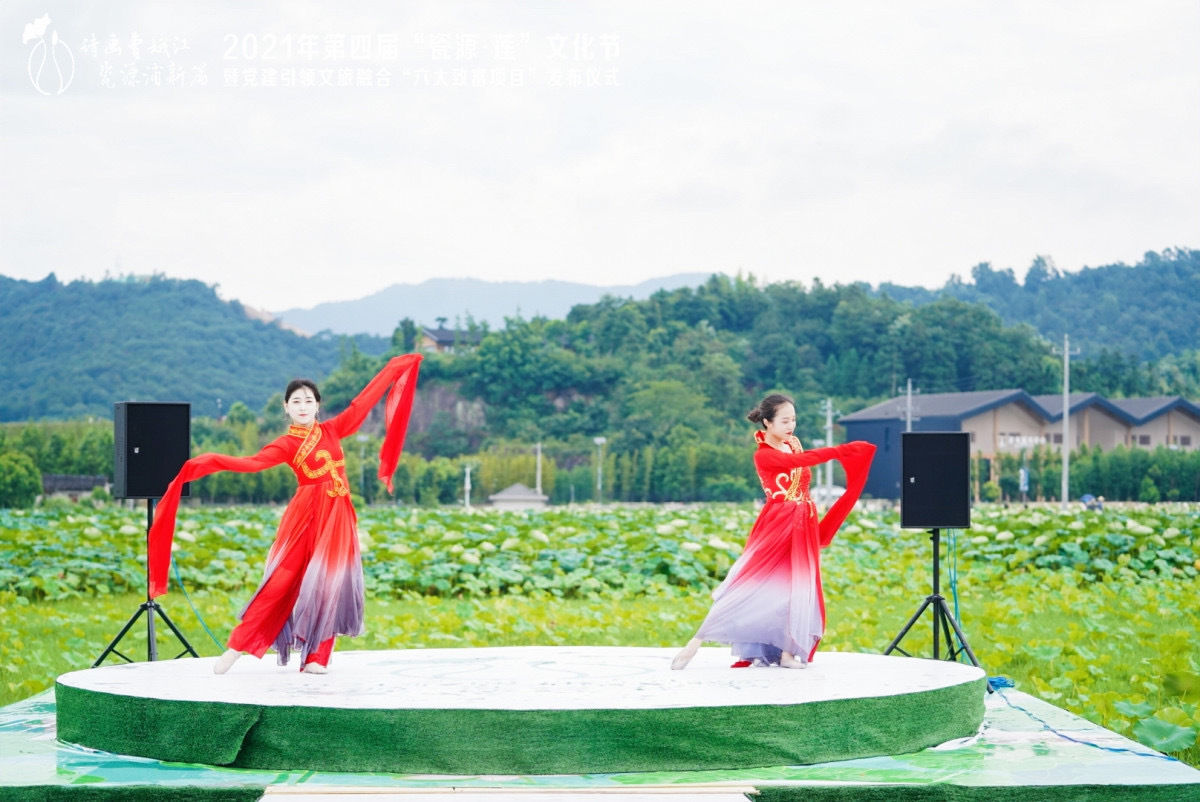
(943,620)
(151,608)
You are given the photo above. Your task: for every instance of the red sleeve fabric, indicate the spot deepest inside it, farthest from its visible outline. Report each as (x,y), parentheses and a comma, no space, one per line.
(401,374)
(774,460)
(162,531)
(856,460)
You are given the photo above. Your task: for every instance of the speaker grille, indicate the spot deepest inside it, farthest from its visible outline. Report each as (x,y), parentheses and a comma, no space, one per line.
(151,441)
(935,480)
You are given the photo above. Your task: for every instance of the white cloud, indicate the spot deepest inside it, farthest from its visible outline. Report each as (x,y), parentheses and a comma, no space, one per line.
(864,141)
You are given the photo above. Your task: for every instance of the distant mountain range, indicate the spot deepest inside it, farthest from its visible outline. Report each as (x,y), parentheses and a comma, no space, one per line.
(72,349)
(455,298)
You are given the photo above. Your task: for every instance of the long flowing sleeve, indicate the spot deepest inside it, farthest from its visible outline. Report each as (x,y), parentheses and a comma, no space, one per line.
(162,531)
(401,374)
(855,458)
(775,460)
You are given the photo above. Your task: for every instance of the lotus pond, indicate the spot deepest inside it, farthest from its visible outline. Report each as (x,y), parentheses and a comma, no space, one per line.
(1094,611)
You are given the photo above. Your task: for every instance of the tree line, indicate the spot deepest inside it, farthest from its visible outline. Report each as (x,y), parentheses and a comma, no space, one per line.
(665,381)
(72,349)
(682,367)
(681,471)
(1144,312)
(81,345)
(1121,474)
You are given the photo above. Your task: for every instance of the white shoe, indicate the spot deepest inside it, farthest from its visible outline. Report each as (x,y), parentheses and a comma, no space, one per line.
(789,661)
(315,668)
(685,655)
(226,661)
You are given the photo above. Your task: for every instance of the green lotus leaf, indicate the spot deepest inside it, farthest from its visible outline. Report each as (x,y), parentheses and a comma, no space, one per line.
(1163,735)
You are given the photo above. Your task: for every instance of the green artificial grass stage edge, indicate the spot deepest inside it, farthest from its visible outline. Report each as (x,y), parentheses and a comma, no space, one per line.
(471,742)
(937,792)
(130,793)
(947,792)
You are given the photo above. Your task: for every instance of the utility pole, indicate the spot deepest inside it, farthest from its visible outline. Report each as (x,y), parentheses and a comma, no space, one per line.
(908,408)
(537,449)
(467,487)
(1066,418)
(828,442)
(599,441)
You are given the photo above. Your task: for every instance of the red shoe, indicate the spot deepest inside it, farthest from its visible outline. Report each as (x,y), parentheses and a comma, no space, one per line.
(742,664)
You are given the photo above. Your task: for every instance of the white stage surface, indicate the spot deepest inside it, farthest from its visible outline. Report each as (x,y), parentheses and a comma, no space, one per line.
(521,710)
(525,678)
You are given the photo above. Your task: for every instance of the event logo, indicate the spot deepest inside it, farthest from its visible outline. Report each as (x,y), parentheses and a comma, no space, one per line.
(51,63)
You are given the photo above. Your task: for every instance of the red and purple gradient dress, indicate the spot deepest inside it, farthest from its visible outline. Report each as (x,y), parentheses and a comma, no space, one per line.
(771,601)
(312,587)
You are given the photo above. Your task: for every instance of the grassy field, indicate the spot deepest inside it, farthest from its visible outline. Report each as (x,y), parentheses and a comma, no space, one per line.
(1079,615)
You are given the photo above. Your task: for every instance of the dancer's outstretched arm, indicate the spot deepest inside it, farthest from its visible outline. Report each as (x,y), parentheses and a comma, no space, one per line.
(774,459)
(399,369)
(162,532)
(855,458)
(856,461)
(401,374)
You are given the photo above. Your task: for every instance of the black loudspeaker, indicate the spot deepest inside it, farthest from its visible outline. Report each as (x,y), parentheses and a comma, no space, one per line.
(935,480)
(151,441)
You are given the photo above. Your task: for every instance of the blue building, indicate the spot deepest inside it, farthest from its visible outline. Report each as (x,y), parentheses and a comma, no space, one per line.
(1010,421)
(1011,418)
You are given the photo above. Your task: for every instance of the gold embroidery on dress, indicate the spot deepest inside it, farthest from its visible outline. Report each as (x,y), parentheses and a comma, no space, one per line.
(310,442)
(792,486)
(312,436)
(327,465)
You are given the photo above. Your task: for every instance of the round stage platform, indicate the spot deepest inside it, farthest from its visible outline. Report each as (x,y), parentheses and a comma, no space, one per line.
(520,710)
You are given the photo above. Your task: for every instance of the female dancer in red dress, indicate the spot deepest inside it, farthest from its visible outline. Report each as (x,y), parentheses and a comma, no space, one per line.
(312,588)
(770,606)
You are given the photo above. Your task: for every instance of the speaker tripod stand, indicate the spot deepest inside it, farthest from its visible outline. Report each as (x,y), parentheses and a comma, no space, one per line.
(943,620)
(150,608)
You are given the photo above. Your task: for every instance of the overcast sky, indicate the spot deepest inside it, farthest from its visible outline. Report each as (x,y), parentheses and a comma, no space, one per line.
(603,142)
